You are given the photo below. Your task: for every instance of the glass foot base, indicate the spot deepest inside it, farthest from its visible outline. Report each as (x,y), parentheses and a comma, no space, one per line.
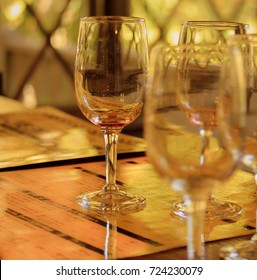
(214,210)
(111,202)
(244,250)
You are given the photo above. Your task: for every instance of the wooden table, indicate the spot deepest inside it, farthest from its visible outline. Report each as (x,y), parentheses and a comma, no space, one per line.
(54,160)
(212,250)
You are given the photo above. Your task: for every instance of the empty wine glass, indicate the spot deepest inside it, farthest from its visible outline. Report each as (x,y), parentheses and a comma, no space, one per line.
(110,77)
(246,45)
(216,33)
(175,142)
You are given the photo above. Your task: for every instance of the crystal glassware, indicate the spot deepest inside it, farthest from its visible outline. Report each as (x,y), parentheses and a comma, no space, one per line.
(174,141)
(110,80)
(246,45)
(216,33)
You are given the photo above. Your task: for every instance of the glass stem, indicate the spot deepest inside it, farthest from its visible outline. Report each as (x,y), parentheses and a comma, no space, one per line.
(195,202)
(111,142)
(205,134)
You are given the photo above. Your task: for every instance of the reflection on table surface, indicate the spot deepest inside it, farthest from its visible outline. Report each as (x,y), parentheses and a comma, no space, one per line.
(41,220)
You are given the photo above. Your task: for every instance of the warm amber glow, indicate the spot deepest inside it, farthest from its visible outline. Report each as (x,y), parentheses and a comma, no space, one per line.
(59,38)
(163,17)
(13,11)
(173,37)
(29,98)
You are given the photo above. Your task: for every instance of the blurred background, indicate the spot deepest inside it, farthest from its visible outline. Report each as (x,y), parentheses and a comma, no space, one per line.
(38,40)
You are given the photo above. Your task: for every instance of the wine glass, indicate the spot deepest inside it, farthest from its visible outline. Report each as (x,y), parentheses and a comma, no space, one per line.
(175,141)
(216,33)
(110,76)
(246,45)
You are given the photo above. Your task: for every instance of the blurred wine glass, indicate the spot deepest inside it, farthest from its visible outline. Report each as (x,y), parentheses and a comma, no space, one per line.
(213,33)
(175,142)
(246,45)
(110,77)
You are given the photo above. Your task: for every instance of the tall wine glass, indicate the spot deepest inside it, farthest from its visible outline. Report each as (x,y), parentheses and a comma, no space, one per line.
(175,142)
(246,45)
(216,33)
(110,76)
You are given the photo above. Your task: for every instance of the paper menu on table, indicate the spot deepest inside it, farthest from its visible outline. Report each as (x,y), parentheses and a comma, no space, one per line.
(47,134)
(41,220)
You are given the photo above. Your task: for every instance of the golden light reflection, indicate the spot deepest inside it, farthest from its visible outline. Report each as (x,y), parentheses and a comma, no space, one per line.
(29,98)
(153,35)
(252,27)
(173,37)
(14,11)
(59,38)
(78,136)
(162,25)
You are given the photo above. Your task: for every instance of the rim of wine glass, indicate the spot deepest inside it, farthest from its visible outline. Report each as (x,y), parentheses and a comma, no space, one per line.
(111,19)
(248,37)
(181,47)
(217,23)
